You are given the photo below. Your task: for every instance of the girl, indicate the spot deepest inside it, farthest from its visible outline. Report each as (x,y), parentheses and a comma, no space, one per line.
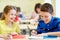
(7,24)
(35,15)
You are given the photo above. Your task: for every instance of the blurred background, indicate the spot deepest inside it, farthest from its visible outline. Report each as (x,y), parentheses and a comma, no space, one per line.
(27,6)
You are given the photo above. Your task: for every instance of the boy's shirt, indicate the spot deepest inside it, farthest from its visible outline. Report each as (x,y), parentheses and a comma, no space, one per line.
(52,26)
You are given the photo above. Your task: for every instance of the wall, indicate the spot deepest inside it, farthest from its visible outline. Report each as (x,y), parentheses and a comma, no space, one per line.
(26,5)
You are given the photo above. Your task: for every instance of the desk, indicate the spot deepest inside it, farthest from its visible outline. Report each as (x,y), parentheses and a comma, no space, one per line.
(26,23)
(38,38)
(26,38)
(24,26)
(34,38)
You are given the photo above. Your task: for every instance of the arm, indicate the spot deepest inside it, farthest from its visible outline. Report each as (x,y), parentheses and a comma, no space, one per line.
(52,33)
(5,36)
(18,29)
(32,15)
(38,29)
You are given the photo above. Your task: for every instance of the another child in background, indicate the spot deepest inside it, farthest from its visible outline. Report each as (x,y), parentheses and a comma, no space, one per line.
(20,13)
(35,15)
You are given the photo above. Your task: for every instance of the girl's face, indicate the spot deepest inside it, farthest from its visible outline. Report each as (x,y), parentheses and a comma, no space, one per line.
(10,16)
(38,10)
(46,16)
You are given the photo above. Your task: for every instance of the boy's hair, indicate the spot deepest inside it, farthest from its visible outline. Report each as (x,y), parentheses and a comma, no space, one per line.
(47,8)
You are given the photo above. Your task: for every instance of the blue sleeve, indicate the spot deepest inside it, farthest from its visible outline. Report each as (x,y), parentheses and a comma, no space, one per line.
(59,26)
(38,29)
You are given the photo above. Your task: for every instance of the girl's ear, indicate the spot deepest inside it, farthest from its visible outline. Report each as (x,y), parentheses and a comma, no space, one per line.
(4,14)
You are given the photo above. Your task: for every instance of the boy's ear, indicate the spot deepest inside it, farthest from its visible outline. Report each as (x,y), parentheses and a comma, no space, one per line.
(53,14)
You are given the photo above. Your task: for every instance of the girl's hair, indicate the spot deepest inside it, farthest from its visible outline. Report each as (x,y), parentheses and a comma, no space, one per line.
(38,5)
(6,10)
(18,9)
(47,8)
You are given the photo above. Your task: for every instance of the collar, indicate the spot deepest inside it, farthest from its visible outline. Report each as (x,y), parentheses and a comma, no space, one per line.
(51,21)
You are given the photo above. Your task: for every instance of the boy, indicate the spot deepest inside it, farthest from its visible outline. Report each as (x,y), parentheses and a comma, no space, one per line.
(48,25)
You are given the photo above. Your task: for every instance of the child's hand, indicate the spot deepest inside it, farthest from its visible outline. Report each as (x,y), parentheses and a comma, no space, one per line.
(14,33)
(33,33)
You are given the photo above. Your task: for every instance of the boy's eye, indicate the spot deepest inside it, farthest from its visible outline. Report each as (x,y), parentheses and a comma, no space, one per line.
(46,16)
(41,16)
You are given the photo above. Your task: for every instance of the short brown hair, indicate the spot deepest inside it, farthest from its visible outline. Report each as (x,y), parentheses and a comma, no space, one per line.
(47,8)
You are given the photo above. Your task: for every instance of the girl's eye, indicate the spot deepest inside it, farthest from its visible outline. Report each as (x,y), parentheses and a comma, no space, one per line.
(11,14)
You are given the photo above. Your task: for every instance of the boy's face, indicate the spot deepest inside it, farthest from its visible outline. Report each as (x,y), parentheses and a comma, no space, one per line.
(45,16)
